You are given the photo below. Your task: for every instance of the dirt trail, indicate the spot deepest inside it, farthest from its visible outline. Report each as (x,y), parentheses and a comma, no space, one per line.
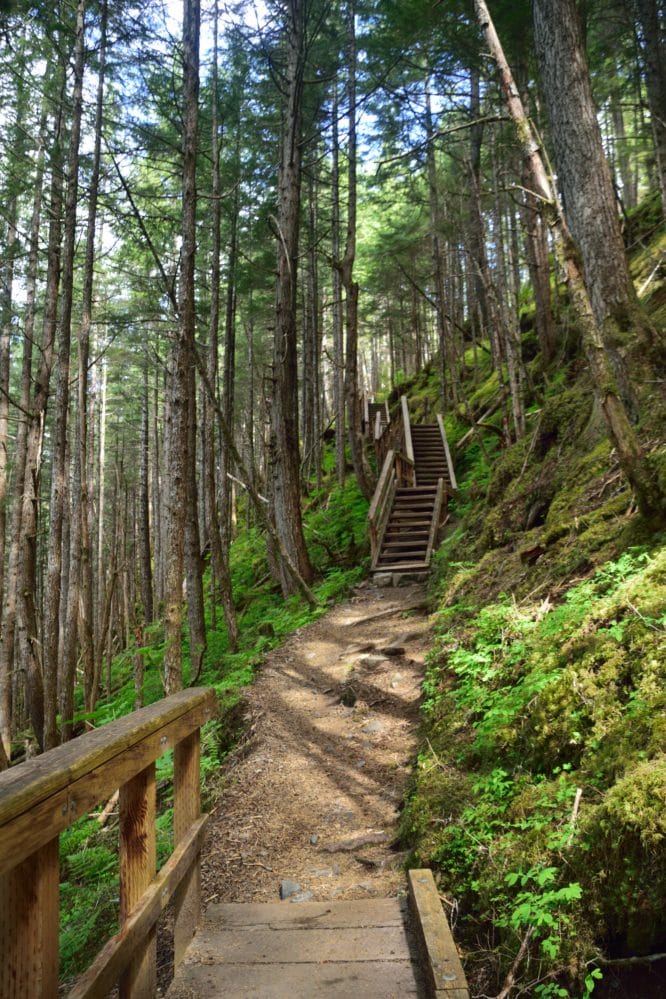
(334,717)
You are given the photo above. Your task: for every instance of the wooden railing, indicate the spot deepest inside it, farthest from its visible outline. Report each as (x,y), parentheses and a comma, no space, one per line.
(407,428)
(41,798)
(449,463)
(380,507)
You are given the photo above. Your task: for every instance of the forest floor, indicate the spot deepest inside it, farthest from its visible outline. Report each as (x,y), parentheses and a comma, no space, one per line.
(312,794)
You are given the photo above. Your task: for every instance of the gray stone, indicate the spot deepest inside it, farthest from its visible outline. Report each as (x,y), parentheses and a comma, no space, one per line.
(396,680)
(372,661)
(314,839)
(408,578)
(289,888)
(383,579)
(373,727)
(301,896)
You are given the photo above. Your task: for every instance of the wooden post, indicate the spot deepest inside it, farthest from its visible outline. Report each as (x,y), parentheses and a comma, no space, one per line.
(138,860)
(29,897)
(186,811)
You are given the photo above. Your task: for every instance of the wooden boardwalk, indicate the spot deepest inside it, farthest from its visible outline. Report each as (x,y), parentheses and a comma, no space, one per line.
(379,948)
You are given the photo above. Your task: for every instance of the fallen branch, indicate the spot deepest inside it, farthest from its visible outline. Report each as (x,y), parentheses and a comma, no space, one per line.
(510,979)
(574,813)
(618,962)
(105,814)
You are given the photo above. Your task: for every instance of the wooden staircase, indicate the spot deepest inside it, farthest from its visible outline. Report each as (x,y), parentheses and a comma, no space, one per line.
(410,502)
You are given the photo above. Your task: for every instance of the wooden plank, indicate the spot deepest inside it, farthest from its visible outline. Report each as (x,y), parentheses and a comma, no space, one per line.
(138,859)
(442,964)
(263,945)
(186,811)
(114,957)
(325,915)
(29,927)
(47,818)
(26,785)
(333,980)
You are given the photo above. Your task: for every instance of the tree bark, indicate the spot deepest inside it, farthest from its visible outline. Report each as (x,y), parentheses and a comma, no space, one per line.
(338,332)
(11,598)
(181,358)
(587,185)
(79,626)
(28,619)
(653,46)
(346,266)
(59,466)
(284,443)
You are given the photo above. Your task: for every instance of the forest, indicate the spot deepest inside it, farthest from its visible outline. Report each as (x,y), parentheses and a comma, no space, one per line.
(224,225)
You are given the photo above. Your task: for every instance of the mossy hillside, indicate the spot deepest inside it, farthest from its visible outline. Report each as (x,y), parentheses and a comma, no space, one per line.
(545,766)
(539,793)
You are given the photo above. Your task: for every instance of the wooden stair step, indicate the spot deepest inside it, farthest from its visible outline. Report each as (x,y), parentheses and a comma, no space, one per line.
(412,545)
(402,567)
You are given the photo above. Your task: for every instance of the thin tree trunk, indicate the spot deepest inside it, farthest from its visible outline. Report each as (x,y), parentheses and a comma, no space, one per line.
(28,616)
(654,53)
(143,526)
(79,627)
(59,467)
(10,603)
(338,333)
(284,447)
(346,266)
(179,384)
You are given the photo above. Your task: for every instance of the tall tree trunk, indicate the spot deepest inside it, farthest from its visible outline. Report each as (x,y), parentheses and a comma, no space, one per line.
(193,561)
(181,357)
(11,593)
(143,526)
(587,185)
(651,20)
(7,307)
(448,375)
(219,550)
(338,332)
(634,463)
(59,467)
(347,276)
(284,447)
(29,635)
(79,627)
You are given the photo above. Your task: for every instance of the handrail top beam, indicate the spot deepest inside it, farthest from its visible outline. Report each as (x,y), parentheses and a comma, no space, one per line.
(27,785)
(387,467)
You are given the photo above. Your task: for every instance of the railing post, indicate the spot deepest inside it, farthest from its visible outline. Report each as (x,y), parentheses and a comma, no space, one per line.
(138,863)
(29,898)
(186,810)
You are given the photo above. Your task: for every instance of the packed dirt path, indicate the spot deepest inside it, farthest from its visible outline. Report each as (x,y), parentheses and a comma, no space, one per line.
(314,796)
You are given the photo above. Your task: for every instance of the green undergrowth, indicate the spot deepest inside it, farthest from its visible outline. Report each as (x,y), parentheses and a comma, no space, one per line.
(336,532)
(540,795)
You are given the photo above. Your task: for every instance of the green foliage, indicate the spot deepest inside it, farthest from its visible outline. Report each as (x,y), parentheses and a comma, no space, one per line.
(549,721)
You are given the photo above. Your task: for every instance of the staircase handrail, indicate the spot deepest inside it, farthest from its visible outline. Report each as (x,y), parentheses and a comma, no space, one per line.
(436,519)
(407,428)
(382,500)
(449,463)
(45,795)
